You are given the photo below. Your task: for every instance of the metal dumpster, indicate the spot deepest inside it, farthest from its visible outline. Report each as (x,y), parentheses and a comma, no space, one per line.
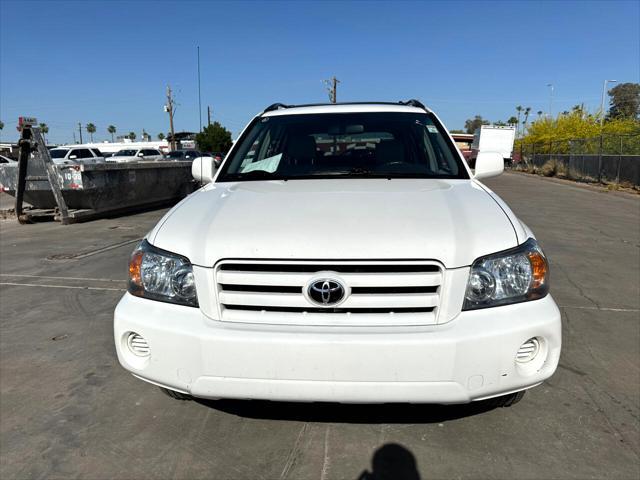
(104,186)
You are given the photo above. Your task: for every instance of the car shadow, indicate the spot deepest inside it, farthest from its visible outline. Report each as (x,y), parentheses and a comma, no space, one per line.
(388,413)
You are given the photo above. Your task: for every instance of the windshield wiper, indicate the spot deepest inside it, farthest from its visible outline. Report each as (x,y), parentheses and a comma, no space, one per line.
(252,175)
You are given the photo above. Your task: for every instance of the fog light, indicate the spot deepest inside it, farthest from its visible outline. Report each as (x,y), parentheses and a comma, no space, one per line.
(528,350)
(138,345)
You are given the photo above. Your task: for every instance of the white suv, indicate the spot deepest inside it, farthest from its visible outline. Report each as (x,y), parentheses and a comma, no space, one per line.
(75,156)
(341,253)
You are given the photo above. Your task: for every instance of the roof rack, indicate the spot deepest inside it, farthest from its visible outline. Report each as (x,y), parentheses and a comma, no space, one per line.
(414,103)
(276,106)
(410,103)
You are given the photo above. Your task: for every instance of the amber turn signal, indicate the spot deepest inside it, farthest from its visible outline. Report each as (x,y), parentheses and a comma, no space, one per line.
(135,264)
(539,269)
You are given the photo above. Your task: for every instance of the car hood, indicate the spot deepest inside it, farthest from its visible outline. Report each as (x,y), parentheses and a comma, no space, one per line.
(452,221)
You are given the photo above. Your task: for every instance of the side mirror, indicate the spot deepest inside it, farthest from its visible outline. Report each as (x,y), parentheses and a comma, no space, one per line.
(72,157)
(202,169)
(141,154)
(488,164)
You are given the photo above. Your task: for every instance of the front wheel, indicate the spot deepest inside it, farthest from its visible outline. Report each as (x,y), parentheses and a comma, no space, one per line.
(506,400)
(175,395)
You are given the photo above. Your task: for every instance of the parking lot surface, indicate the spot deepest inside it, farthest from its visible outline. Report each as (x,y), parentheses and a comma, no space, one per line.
(68,410)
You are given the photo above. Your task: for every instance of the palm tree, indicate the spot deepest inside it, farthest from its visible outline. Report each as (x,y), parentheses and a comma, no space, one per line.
(519,110)
(91,129)
(132,135)
(1,125)
(161,136)
(44,129)
(512,120)
(111,129)
(526,117)
(539,113)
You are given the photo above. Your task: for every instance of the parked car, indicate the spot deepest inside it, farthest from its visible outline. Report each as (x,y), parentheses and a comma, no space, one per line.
(341,253)
(183,155)
(136,155)
(217,158)
(4,159)
(73,156)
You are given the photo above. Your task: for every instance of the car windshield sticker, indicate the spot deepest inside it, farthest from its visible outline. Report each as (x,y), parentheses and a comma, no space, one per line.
(269,164)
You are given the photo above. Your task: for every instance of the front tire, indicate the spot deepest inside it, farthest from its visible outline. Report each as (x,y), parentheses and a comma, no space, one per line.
(176,395)
(507,400)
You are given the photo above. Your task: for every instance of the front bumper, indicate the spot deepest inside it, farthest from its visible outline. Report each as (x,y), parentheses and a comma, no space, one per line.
(469,358)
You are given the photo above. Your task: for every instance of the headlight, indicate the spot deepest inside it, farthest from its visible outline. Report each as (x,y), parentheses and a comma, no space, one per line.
(516,275)
(160,275)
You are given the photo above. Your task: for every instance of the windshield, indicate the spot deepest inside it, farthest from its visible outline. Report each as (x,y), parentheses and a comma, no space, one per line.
(58,153)
(125,153)
(330,145)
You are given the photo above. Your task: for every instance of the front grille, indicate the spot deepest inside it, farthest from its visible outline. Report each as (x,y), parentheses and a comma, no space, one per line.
(378,293)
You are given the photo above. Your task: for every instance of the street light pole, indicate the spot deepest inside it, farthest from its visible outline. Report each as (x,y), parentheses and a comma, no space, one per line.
(604,94)
(550,100)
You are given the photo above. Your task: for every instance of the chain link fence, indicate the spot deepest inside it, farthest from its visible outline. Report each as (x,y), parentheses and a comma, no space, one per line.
(605,159)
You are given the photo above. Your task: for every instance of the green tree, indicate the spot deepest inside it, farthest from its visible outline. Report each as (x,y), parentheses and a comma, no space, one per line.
(500,123)
(457,131)
(519,110)
(512,120)
(44,129)
(214,138)
(111,129)
(91,129)
(539,113)
(474,123)
(132,136)
(161,136)
(625,101)
(1,125)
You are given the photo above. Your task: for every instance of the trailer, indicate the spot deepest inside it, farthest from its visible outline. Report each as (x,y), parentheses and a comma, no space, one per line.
(73,193)
(493,138)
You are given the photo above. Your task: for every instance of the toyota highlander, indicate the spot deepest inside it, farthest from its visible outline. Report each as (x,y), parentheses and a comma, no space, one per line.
(341,253)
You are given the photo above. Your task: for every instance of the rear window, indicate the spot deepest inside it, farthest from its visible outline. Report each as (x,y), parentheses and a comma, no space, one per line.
(385,144)
(96,152)
(125,153)
(58,153)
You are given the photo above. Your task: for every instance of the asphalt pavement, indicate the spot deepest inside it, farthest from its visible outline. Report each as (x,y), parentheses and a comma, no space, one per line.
(68,410)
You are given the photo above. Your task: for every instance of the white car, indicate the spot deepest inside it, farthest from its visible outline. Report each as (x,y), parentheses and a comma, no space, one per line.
(136,155)
(341,253)
(75,156)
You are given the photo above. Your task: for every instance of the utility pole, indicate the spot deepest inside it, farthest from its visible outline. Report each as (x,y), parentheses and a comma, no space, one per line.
(170,109)
(199,101)
(604,96)
(208,115)
(332,88)
(550,85)
(80,130)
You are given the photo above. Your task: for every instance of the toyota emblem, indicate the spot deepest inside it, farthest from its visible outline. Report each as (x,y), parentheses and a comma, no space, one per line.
(326,291)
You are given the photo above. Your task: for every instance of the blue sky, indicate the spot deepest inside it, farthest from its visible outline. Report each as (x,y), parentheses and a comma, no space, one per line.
(110,62)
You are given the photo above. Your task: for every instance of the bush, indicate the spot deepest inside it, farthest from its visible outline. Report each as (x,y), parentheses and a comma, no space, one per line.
(553,168)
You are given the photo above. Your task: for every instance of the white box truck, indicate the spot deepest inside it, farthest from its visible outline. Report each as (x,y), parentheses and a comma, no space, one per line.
(493,138)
